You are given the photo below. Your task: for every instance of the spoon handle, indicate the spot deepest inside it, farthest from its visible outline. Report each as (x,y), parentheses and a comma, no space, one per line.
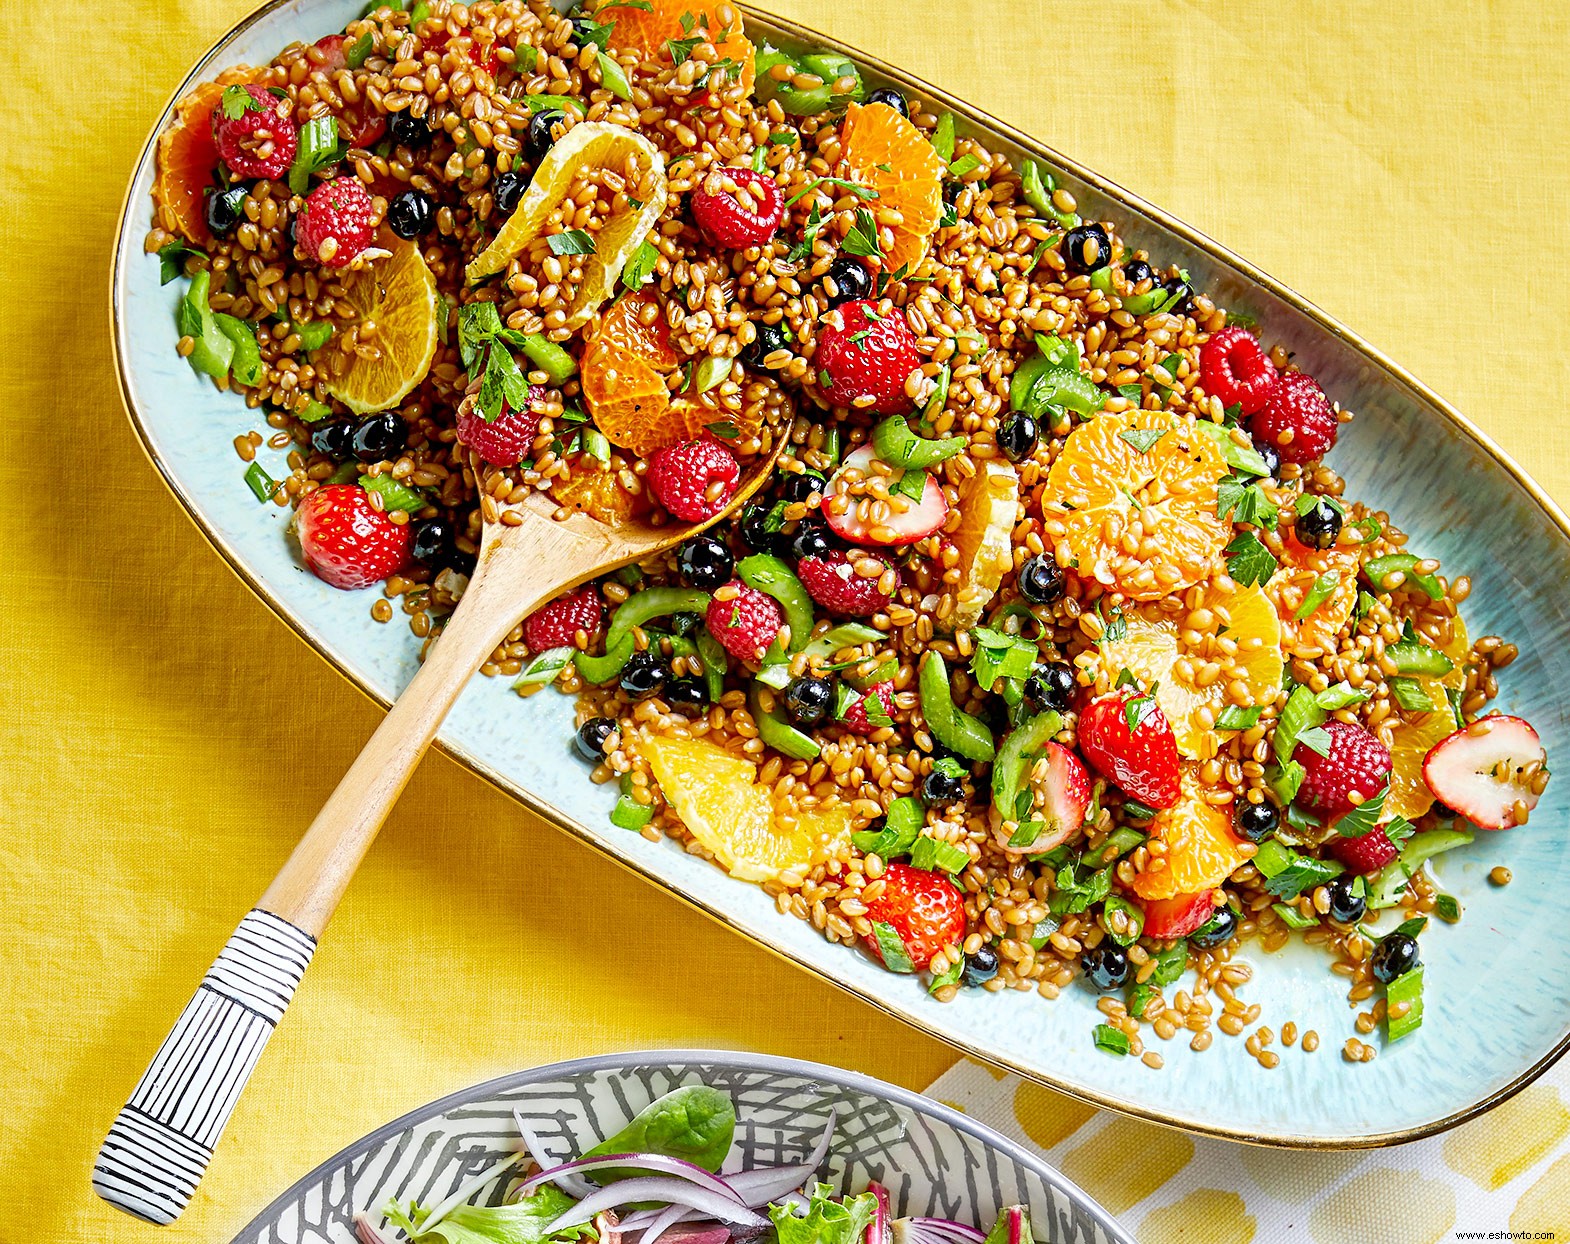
(160,1144)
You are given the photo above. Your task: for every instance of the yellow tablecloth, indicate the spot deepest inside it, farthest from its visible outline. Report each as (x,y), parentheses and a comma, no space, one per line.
(164,737)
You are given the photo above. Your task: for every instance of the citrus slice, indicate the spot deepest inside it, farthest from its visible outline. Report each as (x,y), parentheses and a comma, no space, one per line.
(884,152)
(399,294)
(594,489)
(623,378)
(589,143)
(647,31)
(989,508)
(716,796)
(1201,849)
(828,829)
(1135,497)
(1300,570)
(1459,649)
(1410,742)
(187,157)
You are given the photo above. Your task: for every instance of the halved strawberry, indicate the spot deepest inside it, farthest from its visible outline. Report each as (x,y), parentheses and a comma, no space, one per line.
(1168,919)
(1060,788)
(919,520)
(1485,771)
(1126,736)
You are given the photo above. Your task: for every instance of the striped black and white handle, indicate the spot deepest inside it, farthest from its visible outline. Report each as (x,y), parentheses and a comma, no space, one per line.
(160,1144)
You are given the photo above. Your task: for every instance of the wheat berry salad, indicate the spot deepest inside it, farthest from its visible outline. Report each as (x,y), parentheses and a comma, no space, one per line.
(1054,655)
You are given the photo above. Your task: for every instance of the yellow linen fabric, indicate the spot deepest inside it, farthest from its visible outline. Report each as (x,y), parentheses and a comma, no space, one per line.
(164,738)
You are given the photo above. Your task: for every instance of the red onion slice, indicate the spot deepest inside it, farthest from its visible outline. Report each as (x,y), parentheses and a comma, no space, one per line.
(658,1163)
(572,1185)
(366,1232)
(934,1231)
(878,1229)
(764,1184)
(671,1190)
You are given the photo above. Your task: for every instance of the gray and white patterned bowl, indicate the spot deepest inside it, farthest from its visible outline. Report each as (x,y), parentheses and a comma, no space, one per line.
(933,1160)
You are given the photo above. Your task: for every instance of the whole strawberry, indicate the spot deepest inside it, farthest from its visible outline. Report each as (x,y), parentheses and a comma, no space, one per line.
(1297,420)
(871,710)
(1367,853)
(694,480)
(924,909)
(865,356)
(1235,369)
(337,221)
(1126,736)
(255,133)
(505,440)
(1342,760)
(557,624)
(745,621)
(737,207)
(834,582)
(346,540)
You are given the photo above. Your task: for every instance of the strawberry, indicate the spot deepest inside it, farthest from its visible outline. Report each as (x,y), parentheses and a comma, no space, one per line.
(916,521)
(1367,853)
(746,622)
(1127,737)
(337,221)
(505,440)
(923,908)
(1168,919)
(1060,791)
(832,581)
(557,624)
(346,540)
(1485,771)
(1354,761)
(722,216)
(1297,420)
(1234,368)
(864,352)
(694,480)
(857,717)
(254,132)
(365,124)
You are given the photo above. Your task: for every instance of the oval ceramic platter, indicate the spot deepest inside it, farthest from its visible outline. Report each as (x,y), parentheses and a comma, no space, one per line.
(934,1161)
(1498,1002)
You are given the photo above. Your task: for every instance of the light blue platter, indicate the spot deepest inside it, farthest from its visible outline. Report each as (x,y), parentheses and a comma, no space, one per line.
(1498,984)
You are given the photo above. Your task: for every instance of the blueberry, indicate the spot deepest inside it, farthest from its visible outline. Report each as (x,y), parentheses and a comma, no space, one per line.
(1086,248)
(1272,458)
(592,736)
(1346,907)
(1255,821)
(888,95)
(1396,955)
(225,209)
(1018,436)
(1175,285)
(1137,270)
(1220,929)
(766,340)
(808,699)
(980,967)
(408,131)
(755,530)
(1319,527)
(800,487)
(411,214)
(644,674)
(1106,966)
(506,190)
(1049,688)
(940,787)
(1041,581)
(705,563)
(687,693)
(852,281)
(430,540)
(542,134)
(335,438)
(378,437)
(811,540)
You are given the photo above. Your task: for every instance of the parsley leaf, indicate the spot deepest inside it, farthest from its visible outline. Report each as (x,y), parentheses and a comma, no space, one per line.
(572,242)
(1249,561)
(641,266)
(863,237)
(1317,595)
(1246,502)
(1362,819)
(1142,439)
(236,101)
(171,260)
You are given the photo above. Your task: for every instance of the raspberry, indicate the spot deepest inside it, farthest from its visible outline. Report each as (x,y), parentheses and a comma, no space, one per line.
(867,354)
(1355,761)
(1235,369)
(337,221)
(254,132)
(746,623)
(832,581)
(1365,854)
(557,624)
(857,717)
(1298,420)
(505,440)
(694,480)
(723,218)
(924,909)
(346,540)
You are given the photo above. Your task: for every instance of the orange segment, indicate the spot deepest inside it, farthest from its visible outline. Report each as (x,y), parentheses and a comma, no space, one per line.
(1410,741)
(623,381)
(594,489)
(1142,521)
(187,157)
(989,508)
(1202,850)
(399,294)
(885,152)
(1300,569)
(646,31)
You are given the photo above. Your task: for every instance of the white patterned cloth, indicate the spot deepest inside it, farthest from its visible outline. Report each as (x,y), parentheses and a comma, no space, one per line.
(1503,1176)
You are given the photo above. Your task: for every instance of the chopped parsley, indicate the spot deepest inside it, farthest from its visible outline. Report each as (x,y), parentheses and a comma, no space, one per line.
(1363,818)
(171,260)
(1144,439)
(236,101)
(863,236)
(1324,587)
(640,267)
(572,242)
(1249,561)
(1245,502)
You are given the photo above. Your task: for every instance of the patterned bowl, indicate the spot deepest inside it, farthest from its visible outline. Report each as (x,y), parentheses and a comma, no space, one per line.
(933,1160)
(1499,999)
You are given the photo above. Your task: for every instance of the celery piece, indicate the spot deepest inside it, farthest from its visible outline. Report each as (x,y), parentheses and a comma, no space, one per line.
(1407,988)
(246,364)
(213,350)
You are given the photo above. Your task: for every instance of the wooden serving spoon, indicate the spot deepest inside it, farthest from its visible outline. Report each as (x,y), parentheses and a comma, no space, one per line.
(160,1144)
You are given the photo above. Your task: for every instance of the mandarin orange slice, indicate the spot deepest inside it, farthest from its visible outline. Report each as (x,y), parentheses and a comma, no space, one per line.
(1301,568)
(883,151)
(1201,849)
(187,157)
(596,490)
(647,31)
(623,377)
(1136,514)
(398,293)
(1410,742)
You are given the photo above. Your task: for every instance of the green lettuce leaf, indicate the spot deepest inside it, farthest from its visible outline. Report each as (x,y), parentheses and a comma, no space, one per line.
(827,1220)
(521,1222)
